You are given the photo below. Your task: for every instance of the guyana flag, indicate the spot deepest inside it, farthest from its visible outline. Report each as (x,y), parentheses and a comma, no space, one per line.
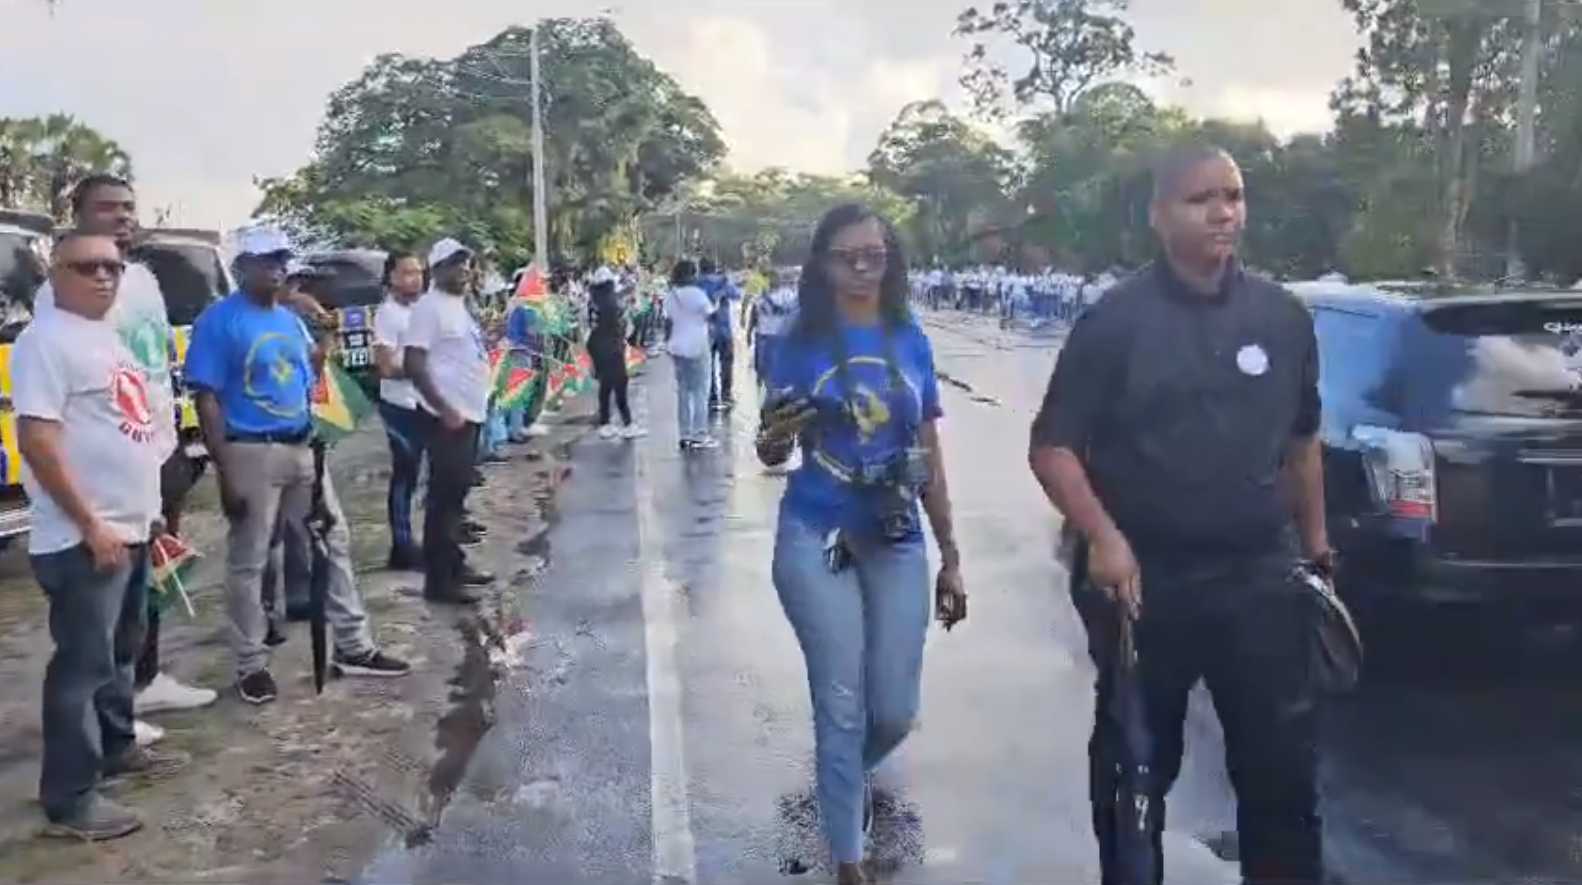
(561,378)
(339,405)
(512,381)
(171,561)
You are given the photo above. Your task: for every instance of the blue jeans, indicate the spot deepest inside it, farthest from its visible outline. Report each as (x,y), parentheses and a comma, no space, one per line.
(96,620)
(404,429)
(862,632)
(692,395)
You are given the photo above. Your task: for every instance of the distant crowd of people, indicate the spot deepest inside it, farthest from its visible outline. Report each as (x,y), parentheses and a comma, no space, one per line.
(1048,294)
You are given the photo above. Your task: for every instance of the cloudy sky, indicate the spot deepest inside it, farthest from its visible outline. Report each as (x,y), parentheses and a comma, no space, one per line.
(206,94)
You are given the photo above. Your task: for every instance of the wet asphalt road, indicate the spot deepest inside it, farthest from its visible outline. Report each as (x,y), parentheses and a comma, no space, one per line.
(660,729)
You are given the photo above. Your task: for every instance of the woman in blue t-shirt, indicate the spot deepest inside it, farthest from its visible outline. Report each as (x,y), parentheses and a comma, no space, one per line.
(853,382)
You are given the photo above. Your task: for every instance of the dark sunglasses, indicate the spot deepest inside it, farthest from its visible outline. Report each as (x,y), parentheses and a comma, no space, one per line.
(93,267)
(861,259)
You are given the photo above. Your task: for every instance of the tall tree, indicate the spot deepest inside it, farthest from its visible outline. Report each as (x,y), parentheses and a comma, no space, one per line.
(956,175)
(1061,48)
(429,145)
(41,158)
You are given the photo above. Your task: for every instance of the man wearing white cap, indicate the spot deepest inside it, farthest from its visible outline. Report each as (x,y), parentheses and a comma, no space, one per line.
(252,363)
(448,362)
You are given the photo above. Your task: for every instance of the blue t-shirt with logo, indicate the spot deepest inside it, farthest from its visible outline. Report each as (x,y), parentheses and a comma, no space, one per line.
(257,360)
(868,415)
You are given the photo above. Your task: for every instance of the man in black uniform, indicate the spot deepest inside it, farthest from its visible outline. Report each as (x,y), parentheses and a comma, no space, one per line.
(1177,437)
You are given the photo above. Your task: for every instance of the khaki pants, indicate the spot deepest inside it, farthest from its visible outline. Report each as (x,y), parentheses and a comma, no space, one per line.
(277,484)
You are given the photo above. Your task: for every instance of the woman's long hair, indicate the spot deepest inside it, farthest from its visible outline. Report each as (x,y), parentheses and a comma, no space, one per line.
(817,315)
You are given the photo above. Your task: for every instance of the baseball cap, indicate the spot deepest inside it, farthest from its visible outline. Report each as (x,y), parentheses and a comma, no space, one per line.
(263,240)
(445,250)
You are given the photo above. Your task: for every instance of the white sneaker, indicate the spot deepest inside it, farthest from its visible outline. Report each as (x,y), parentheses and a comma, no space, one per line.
(147,733)
(634,431)
(165,694)
(537,429)
(608,431)
(705,442)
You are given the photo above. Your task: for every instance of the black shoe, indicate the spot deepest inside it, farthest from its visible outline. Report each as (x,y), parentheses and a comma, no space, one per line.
(471,577)
(257,687)
(473,525)
(99,820)
(371,663)
(472,537)
(274,638)
(405,558)
(452,595)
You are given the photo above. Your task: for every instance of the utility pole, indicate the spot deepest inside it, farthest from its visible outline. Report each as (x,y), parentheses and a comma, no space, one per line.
(1526,121)
(540,195)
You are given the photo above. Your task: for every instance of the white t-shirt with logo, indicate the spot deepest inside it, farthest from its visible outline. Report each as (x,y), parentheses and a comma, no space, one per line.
(140,317)
(390,325)
(688,309)
(78,372)
(458,363)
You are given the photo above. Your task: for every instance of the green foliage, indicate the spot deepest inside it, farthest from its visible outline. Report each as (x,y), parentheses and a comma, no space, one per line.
(41,158)
(417,148)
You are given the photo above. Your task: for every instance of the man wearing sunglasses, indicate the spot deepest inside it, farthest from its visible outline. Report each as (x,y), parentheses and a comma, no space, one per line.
(106,205)
(91,449)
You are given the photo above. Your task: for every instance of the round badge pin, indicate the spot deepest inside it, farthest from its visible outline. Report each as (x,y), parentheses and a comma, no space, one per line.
(1251,360)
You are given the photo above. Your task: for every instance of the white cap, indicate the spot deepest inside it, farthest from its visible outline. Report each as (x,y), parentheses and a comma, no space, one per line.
(601,276)
(444,250)
(263,240)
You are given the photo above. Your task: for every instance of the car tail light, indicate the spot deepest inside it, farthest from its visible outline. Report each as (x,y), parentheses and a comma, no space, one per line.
(1400,468)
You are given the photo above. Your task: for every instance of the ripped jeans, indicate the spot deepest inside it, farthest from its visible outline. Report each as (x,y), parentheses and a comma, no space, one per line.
(861,632)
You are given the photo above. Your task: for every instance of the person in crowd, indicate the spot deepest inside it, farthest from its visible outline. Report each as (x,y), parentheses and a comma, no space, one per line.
(722,340)
(854,380)
(447,362)
(289,570)
(398,403)
(687,320)
(107,205)
(773,314)
(1179,499)
(607,349)
(253,364)
(525,340)
(84,414)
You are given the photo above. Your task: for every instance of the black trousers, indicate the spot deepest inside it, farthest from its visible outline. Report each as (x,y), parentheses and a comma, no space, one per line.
(176,478)
(452,457)
(609,367)
(1240,627)
(722,378)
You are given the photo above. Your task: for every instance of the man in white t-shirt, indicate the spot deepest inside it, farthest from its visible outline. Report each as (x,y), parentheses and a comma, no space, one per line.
(106,204)
(398,402)
(90,444)
(446,359)
(688,310)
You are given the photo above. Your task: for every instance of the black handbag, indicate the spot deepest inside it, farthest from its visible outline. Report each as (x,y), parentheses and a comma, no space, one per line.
(1334,643)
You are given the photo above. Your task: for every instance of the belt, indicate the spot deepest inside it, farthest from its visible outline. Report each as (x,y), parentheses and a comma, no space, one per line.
(274,437)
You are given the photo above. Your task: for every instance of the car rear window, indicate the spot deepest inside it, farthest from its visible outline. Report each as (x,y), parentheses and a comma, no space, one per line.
(351,283)
(1518,359)
(191,277)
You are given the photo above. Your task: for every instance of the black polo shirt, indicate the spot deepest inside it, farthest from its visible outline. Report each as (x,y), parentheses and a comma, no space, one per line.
(1181,406)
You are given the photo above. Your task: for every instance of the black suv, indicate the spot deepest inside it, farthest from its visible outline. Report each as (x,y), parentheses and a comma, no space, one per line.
(1452,437)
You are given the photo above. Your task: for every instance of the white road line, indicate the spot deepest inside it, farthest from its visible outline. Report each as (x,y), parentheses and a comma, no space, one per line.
(675,849)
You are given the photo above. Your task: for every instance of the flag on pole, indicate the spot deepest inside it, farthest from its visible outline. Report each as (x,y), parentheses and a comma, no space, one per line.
(339,405)
(171,560)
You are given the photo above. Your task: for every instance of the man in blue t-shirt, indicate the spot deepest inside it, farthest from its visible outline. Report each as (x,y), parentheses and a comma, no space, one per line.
(251,362)
(722,340)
